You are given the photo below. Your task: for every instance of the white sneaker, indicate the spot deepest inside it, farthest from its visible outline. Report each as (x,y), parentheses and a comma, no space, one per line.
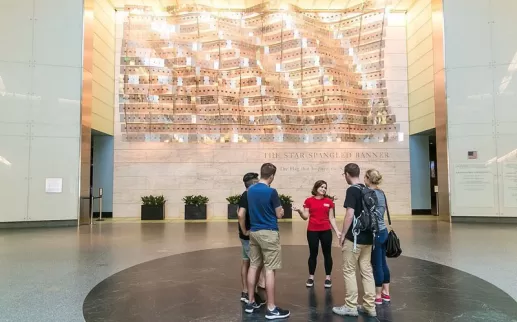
(361,309)
(345,310)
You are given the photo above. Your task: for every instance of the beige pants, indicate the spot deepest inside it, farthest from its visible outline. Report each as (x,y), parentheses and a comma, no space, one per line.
(265,249)
(363,257)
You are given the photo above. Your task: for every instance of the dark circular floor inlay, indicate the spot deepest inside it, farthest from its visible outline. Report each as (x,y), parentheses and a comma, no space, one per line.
(205,286)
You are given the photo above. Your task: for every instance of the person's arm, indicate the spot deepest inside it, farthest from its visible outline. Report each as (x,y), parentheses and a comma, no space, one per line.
(241,213)
(277,205)
(332,218)
(349,218)
(304,211)
(350,202)
(242,220)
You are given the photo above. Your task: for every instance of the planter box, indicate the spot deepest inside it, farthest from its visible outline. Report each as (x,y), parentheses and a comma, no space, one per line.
(288,211)
(152,212)
(232,211)
(193,212)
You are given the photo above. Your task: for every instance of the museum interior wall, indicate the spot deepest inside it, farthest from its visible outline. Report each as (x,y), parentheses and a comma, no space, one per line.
(207,95)
(481,61)
(420,67)
(40,93)
(103,74)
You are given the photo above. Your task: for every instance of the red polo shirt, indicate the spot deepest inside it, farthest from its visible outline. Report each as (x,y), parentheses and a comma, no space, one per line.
(319,210)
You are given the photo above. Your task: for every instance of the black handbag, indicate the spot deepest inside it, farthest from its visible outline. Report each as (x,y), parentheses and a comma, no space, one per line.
(393,249)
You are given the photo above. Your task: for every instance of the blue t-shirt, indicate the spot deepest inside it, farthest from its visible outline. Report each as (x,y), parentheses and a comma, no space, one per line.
(262,202)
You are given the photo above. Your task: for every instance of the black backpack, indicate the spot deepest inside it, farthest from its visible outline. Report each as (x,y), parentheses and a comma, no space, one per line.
(367,220)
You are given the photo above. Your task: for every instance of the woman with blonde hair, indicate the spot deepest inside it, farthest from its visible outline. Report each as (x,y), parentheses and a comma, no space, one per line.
(381,271)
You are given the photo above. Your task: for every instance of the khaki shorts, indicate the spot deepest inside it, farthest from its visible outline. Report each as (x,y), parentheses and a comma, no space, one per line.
(265,249)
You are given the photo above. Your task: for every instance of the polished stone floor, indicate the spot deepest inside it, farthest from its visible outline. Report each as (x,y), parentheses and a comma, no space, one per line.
(201,286)
(70,274)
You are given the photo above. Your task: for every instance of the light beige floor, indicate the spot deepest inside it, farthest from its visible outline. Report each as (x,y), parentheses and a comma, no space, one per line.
(46,273)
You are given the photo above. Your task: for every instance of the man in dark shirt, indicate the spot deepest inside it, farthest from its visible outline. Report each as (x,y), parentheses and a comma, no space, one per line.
(249,179)
(265,209)
(359,255)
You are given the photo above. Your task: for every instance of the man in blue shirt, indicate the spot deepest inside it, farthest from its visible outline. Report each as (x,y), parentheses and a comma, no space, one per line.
(264,210)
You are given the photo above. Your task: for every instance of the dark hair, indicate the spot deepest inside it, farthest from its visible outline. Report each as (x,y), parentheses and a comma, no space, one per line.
(267,170)
(353,170)
(317,185)
(249,179)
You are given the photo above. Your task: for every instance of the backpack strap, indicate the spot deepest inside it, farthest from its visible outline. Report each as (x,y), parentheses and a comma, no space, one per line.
(358,186)
(387,208)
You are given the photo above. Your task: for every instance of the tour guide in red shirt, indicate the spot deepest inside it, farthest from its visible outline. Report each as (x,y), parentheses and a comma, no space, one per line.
(319,230)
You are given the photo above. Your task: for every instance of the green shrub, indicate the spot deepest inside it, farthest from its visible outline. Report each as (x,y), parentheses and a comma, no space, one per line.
(198,200)
(233,200)
(153,200)
(286,200)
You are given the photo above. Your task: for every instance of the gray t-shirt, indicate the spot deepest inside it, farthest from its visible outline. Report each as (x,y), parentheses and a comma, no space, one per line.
(382,209)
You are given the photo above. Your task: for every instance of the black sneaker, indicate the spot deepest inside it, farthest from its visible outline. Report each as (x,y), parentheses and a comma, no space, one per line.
(244,297)
(259,300)
(310,282)
(251,307)
(277,313)
(328,283)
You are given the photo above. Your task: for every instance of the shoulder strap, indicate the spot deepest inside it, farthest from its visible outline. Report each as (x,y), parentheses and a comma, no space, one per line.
(358,186)
(387,208)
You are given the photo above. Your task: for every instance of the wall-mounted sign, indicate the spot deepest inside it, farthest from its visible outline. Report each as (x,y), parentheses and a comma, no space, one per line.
(54,185)
(472,155)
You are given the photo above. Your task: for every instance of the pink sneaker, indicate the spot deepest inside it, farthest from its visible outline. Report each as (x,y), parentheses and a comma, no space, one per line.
(378,301)
(385,298)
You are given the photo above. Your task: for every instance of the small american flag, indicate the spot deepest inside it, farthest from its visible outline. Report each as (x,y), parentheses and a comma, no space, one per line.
(473,155)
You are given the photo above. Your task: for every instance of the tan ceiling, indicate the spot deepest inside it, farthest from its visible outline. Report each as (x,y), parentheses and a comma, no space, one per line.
(395,5)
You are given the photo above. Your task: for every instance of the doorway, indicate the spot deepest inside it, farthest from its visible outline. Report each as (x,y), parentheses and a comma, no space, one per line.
(101,176)
(423,167)
(433,174)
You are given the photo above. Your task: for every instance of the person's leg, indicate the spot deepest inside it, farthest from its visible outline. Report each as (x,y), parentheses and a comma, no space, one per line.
(261,286)
(245,265)
(326,247)
(270,288)
(350,259)
(272,252)
(244,275)
(313,240)
(387,276)
(365,266)
(349,268)
(256,261)
(378,272)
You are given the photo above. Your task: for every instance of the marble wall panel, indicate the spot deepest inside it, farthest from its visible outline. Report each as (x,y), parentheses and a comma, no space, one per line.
(221,176)
(215,170)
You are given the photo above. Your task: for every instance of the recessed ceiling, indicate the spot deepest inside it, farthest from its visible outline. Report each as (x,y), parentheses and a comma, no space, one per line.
(395,5)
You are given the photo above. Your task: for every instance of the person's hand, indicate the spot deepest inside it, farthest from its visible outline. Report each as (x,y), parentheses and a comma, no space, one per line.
(342,239)
(246,233)
(338,234)
(295,208)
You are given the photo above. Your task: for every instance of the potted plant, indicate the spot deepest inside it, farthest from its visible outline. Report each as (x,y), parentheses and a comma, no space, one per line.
(195,207)
(287,204)
(153,208)
(233,206)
